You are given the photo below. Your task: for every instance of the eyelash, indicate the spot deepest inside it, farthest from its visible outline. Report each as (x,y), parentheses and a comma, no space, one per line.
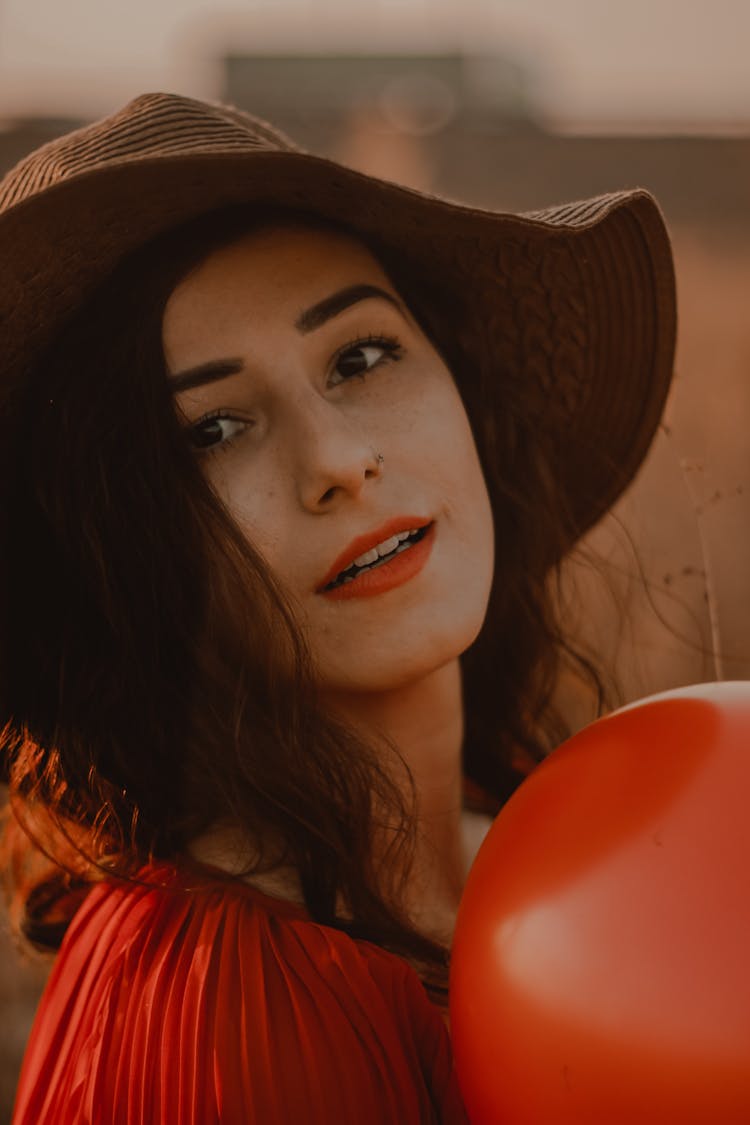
(393,352)
(390,345)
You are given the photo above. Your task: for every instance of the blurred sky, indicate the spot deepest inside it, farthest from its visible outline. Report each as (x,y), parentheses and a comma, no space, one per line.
(653,64)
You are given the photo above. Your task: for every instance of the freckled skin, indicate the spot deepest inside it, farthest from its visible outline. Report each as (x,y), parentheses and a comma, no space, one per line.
(302,479)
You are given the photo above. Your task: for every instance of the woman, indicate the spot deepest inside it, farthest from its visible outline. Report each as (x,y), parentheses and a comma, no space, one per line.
(291,457)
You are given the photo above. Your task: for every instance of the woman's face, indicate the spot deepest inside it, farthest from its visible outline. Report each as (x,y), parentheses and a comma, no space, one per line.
(295,365)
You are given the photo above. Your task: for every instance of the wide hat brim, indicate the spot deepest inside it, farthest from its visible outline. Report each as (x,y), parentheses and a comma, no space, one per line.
(578,299)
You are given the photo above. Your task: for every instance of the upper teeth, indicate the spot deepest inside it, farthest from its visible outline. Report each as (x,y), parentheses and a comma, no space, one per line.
(383,548)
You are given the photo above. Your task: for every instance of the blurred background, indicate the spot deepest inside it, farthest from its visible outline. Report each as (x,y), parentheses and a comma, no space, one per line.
(511,104)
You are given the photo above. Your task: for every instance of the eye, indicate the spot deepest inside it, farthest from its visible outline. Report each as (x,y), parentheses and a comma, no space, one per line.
(363,355)
(214,431)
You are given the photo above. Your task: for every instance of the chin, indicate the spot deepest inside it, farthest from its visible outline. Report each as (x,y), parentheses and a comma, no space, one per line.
(385,666)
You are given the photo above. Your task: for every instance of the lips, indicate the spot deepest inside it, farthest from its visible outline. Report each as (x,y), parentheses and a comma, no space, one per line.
(364,543)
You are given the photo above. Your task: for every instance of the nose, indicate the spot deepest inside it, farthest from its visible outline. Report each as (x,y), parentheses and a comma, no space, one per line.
(333,455)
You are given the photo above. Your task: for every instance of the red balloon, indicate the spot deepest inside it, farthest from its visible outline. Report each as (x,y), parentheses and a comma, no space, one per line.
(601,961)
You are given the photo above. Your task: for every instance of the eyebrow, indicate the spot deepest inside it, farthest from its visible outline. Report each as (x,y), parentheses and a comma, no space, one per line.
(329,307)
(306,322)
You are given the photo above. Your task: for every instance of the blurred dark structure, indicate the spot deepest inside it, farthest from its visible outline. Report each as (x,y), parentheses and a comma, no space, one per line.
(420,93)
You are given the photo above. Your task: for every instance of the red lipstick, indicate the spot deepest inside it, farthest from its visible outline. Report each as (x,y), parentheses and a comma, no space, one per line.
(384,576)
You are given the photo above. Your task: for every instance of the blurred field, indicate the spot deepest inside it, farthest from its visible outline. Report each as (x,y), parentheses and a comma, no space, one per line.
(677,546)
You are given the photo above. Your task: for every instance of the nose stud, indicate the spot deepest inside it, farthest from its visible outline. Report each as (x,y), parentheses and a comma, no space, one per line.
(380,460)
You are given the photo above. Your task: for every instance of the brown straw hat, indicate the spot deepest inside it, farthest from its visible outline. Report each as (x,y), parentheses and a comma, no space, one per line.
(577,299)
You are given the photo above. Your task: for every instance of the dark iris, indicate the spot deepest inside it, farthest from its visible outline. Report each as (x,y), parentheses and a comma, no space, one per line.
(207,434)
(353,362)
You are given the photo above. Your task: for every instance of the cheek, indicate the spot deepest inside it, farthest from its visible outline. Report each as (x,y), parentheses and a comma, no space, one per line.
(456,464)
(251,493)
(471,513)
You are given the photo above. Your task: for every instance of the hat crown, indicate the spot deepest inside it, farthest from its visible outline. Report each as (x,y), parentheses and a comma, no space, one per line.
(152,126)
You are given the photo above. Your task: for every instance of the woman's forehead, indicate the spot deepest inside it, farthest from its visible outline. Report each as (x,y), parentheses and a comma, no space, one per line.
(280,252)
(269,275)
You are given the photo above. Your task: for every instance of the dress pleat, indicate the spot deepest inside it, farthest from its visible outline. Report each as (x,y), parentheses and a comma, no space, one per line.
(188,998)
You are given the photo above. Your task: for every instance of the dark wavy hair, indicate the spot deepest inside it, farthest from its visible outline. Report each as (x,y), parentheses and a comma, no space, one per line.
(153,679)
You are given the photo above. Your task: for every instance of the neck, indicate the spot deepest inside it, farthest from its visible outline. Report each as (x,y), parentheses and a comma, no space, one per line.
(425,721)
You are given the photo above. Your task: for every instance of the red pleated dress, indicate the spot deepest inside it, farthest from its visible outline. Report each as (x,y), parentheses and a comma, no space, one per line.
(190,999)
